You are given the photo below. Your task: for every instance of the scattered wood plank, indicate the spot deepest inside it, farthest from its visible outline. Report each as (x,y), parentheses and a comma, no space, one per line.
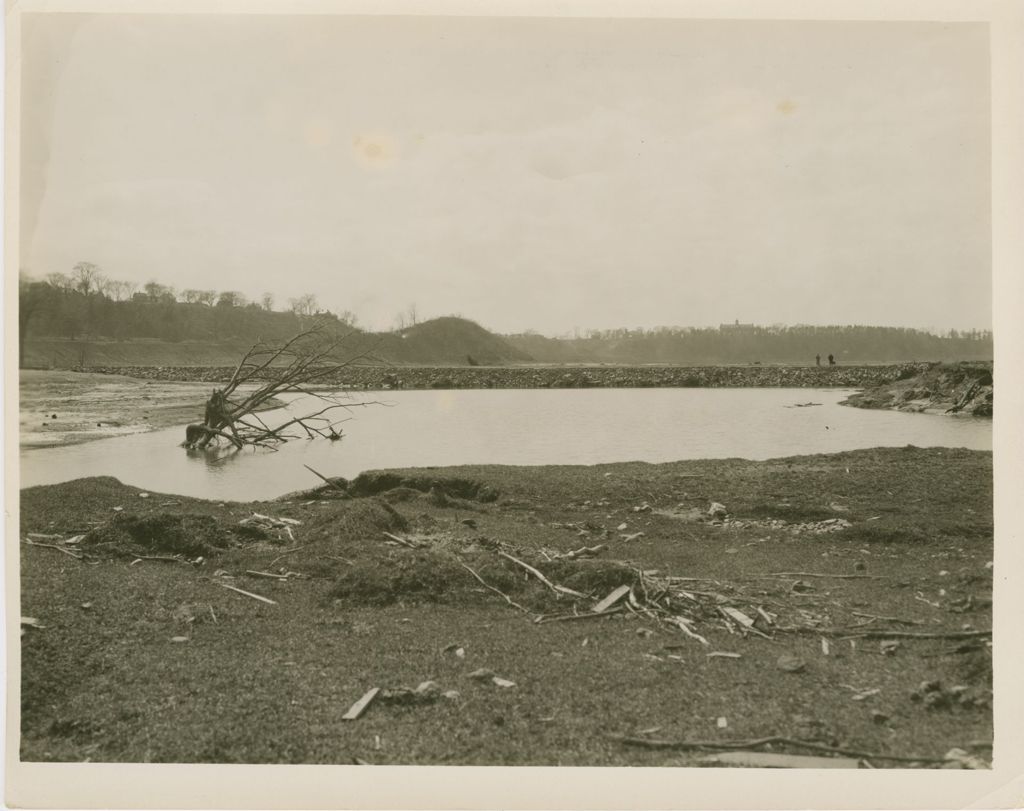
(360,706)
(75,555)
(738,616)
(610,600)
(288,552)
(683,626)
(269,519)
(917,635)
(897,620)
(488,586)
(403,541)
(653,743)
(250,594)
(322,476)
(586,616)
(745,622)
(266,574)
(775,760)
(530,569)
(158,558)
(583,551)
(853,633)
(825,574)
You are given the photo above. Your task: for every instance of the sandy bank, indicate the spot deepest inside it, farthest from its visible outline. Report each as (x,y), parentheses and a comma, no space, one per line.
(66,408)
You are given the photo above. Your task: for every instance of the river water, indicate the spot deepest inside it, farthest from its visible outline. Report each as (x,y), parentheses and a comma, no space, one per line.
(511,427)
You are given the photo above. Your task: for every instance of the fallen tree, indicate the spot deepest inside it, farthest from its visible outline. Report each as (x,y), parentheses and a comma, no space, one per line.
(297,366)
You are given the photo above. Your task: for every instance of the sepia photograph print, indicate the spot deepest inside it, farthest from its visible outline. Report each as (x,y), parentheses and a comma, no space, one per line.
(480,389)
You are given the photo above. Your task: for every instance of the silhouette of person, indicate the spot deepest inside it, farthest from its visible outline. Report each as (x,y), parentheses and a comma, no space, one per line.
(831,360)
(817,360)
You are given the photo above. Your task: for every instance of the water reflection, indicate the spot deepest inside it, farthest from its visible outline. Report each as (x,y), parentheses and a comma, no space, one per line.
(511,427)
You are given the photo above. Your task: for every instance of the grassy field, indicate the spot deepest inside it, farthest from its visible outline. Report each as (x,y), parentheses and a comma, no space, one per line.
(145,660)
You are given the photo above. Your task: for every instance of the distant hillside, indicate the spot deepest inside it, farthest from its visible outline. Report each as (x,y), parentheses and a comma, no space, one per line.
(439,342)
(448,340)
(70,326)
(751,344)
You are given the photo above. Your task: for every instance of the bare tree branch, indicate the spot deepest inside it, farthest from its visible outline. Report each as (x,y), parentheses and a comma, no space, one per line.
(295,366)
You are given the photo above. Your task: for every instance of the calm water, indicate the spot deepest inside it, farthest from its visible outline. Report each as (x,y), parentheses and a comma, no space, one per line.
(513,427)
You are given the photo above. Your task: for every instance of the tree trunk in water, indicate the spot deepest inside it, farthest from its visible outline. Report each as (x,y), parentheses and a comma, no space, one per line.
(214,418)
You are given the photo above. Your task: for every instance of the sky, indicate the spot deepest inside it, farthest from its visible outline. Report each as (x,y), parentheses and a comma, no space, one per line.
(530,174)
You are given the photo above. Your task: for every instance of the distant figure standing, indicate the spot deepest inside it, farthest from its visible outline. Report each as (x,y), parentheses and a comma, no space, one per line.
(831,360)
(817,360)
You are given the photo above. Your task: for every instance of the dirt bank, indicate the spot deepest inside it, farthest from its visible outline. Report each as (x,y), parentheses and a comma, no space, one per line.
(844,600)
(66,408)
(370,378)
(942,388)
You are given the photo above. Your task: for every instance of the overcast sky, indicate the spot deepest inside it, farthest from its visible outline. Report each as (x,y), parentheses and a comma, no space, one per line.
(528,174)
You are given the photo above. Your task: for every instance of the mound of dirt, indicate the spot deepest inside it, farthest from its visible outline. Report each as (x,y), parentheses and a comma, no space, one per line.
(437,573)
(375,483)
(420,576)
(130,534)
(343,523)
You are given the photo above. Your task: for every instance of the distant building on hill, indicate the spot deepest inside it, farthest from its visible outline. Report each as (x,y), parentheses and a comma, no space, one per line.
(735,326)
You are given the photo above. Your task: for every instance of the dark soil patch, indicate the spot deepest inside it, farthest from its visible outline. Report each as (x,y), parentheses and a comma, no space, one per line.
(790,513)
(127,534)
(377,482)
(882,534)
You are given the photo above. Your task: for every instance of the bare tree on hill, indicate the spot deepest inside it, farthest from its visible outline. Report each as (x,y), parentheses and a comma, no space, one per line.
(298,365)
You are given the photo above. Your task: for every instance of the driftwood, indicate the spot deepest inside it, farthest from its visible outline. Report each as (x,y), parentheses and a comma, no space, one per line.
(853,633)
(587,616)
(293,366)
(535,573)
(250,594)
(322,476)
(487,585)
(649,743)
(75,555)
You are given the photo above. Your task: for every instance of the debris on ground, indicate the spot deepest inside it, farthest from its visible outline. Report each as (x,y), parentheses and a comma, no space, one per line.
(936,697)
(360,706)
(266,523)
(959,759)
(791,664)
(773,760)
(610,600)
(888,647)
(250,594)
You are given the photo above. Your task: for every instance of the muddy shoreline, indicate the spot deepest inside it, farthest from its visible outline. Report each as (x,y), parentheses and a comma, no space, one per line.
(381,378)
(61,408)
